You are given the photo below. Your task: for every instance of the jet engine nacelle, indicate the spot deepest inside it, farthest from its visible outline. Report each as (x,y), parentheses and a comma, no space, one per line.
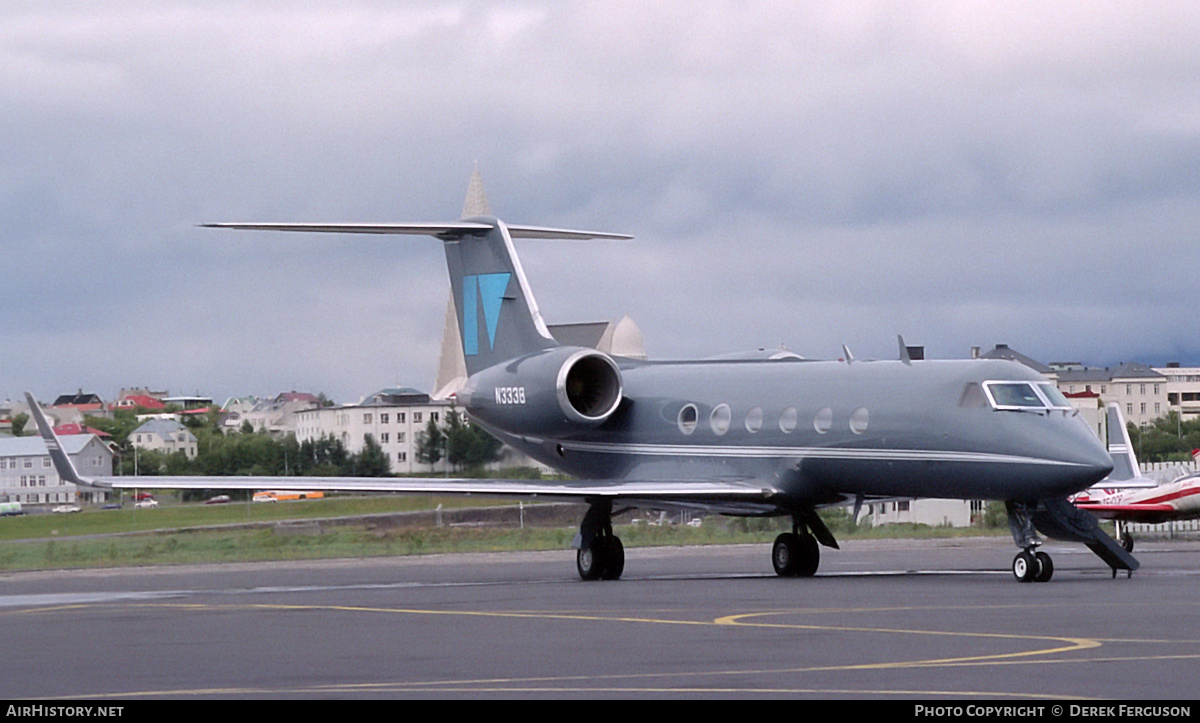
(546,392)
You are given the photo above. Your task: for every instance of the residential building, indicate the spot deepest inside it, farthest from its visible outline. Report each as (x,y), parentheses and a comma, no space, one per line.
(275,416)
(190,403)
(28,476)
(85,403)
(137,401)
(1141,392)
(167,435)
(1182,389)
(935,513)
(393,417)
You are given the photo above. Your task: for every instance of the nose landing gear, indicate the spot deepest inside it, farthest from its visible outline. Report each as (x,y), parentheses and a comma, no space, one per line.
(1032,566)
(1061,520)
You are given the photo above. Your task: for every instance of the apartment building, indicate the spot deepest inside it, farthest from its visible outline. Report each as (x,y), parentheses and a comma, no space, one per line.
(393,417)
(28,476)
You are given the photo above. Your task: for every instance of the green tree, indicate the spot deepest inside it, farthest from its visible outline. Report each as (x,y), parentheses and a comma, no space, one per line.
(430,444)
(467,445)
(1166,439)
(371,461)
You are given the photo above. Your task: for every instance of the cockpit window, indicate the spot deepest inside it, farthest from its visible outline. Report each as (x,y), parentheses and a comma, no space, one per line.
(1025,395)
(1013,394)
(1053,396)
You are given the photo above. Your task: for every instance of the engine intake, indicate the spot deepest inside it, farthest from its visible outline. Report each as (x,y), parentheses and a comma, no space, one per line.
(589,387)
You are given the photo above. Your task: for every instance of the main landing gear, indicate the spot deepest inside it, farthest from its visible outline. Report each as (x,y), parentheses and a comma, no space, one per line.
(1124,536)
(796,553)
(600,554)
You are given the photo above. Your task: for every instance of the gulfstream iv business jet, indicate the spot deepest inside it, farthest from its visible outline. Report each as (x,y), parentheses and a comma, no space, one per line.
(765,433)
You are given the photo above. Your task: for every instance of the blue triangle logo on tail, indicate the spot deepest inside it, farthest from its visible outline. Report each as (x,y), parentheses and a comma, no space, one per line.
(488,289)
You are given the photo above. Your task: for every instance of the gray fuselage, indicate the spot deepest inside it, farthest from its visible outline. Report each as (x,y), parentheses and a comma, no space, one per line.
(814,432)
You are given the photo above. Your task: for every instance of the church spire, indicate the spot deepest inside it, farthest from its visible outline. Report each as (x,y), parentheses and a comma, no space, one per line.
(476,203)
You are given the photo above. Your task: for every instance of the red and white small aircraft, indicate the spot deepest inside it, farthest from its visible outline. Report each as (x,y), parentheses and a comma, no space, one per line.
(1130,497)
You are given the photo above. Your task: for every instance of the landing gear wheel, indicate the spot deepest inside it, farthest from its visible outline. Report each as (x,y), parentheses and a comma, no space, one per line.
(795,555)
(810,556)
(1045,567)
(589,561)
(1127,542)
(1025,566)
(615,562)
(602,559)
(785,554)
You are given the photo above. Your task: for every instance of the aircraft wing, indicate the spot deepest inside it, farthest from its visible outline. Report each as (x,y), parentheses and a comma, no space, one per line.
(741,495)
(1150,513)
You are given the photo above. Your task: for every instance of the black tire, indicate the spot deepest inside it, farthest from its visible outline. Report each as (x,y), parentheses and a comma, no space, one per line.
(810,556)
(786,554)
(1045,567)
(589,560)
(1025,566)
(615,562)
(1127,542)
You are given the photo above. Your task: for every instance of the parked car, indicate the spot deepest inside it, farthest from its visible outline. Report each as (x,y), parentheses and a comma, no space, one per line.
(146,503)
(218,500)
(66,509)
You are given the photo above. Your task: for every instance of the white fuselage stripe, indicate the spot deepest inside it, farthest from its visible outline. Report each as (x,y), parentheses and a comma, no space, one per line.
(835,453)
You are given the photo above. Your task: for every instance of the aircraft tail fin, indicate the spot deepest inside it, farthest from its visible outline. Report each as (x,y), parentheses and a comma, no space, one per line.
(1126,471)
(495,309)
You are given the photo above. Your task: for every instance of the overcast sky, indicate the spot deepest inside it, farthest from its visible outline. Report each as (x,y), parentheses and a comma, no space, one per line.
(799,174)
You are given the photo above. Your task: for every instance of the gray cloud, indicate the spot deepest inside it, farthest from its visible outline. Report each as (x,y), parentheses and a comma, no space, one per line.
(827,173)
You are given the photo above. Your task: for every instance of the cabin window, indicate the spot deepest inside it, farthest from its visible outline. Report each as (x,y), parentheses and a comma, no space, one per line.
(754,420)
(823,422)
(687,419)
(859,420)
(787,420)
(719,419)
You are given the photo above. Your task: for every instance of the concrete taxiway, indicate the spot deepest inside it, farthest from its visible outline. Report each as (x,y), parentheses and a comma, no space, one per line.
(938,620)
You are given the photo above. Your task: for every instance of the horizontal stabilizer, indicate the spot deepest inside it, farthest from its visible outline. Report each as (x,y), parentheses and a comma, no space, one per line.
(440,230)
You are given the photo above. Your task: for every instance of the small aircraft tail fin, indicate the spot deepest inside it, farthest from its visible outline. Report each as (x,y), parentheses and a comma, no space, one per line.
(58,456)
(1126,471)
